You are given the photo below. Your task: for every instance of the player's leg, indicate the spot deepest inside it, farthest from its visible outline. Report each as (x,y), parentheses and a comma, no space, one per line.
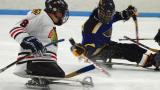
(35,67)
(130,52)
(44,69)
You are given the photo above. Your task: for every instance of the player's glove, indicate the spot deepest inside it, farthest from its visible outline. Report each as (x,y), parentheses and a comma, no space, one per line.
(78,49)
(33,44)
(129,12)
(157,37)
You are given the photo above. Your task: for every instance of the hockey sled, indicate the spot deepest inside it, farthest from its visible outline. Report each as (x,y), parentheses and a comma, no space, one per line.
(127,64)
(86,82)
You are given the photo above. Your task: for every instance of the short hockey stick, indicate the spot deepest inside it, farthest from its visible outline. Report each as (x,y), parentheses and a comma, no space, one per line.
(134,16)
(90,61)
(54,42)
(136,26)
(136,39)
(97,66)
(3,69)
(80,71)
(152,49)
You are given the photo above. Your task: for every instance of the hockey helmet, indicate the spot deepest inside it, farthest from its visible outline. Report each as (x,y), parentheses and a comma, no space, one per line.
(53,6)
(106,10)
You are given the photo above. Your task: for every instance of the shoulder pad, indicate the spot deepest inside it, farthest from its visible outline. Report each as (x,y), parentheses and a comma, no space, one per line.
(36,11)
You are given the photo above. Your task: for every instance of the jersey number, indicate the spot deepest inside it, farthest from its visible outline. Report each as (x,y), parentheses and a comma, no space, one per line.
(24,23)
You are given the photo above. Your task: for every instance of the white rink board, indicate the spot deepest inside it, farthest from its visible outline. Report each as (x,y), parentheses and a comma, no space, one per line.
(83,5)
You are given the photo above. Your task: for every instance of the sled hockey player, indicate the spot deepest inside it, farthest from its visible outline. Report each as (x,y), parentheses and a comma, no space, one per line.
(37,29)
(96,37)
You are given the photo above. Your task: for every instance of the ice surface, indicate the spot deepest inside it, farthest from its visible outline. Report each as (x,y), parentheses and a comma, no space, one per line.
(122,77)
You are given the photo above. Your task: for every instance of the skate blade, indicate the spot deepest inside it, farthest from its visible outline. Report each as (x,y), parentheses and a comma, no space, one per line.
(42,87)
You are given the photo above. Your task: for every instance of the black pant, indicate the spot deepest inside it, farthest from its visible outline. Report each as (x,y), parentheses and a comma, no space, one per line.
(44,69)
(130,52)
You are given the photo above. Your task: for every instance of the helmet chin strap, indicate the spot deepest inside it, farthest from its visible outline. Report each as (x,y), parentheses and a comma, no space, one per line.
(59,22)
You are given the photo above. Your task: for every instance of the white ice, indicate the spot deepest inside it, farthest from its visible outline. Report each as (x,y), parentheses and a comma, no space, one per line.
(122,77)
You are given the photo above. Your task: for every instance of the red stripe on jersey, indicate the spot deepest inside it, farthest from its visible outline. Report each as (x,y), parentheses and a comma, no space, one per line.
(53,54)
(15,29)
(13,34)
(27,57)
(54,57)
(21,58)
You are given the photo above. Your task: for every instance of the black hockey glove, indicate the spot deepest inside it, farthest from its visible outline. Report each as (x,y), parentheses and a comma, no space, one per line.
(157,37)
(129,12)
(33,44)
(78,49)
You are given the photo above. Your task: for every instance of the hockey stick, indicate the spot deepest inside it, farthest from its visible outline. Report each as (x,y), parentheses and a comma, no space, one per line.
(134,16)
(80,71)
(97,66)
(136,26)
(136,39)
(126,64)
(152,49)
(90,61)
(54,42)
(3,69)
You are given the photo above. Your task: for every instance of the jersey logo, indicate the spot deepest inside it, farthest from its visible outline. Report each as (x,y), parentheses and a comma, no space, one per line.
(53,35)
(36,11)
(108,33)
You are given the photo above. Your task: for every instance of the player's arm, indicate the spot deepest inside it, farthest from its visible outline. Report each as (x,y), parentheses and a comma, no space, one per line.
(18,32)
(78,49)
(26,41)
(86,50)
(125,14)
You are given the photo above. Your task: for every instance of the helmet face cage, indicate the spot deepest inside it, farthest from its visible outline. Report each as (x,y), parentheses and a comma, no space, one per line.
(66,16)
(106,10)
(53,6)
(105,16)
(63,19)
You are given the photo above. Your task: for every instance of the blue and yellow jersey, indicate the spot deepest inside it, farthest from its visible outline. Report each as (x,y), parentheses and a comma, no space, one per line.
(96,33)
